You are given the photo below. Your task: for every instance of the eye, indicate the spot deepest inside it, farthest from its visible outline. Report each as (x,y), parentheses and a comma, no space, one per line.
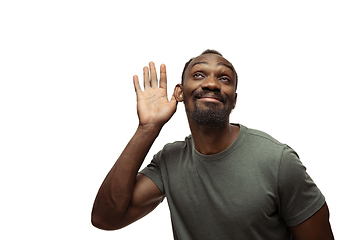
(198,75)
(225,79)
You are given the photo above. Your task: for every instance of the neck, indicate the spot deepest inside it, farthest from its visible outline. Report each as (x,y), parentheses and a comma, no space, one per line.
(210,140)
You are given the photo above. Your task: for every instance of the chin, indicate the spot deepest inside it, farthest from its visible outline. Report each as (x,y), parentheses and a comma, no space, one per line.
(210,116)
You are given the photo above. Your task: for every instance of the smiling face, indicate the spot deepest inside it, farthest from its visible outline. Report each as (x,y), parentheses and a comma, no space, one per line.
(208,90)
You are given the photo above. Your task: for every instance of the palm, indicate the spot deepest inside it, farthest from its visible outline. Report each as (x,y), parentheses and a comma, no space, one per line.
(153,106)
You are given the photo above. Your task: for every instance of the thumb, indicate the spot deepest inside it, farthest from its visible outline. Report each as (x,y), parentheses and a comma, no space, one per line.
(173,101)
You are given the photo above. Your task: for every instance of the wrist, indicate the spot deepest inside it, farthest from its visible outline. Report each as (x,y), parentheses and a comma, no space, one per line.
(149,130)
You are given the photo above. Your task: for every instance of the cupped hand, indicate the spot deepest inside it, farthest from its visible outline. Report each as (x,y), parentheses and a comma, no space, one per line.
(153,107)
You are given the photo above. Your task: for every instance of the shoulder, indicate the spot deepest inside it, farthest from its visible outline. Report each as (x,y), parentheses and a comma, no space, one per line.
(263,142)
(175,149)
(265,148)
(178,145)
(257,135)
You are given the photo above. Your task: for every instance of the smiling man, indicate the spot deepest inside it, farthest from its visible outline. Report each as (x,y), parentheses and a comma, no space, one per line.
(224,181)
(216,104)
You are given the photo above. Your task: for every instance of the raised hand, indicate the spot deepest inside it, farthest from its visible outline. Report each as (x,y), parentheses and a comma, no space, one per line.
(153,107)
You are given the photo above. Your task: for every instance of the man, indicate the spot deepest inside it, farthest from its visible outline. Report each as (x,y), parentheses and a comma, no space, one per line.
(225,181)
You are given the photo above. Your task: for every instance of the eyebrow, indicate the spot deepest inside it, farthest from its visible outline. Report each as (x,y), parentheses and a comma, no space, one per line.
(219,64)
(227,65)
(196,63)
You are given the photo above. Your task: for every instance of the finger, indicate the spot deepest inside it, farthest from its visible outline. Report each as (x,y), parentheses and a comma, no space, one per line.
(146,78)
(153,76)
(173,101)
(136,83)
(163,79)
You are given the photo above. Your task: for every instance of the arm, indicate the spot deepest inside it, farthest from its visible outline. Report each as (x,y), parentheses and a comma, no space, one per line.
(125,196)
(317,227)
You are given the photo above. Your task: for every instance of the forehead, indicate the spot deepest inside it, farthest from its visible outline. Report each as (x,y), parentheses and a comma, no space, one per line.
(210,59)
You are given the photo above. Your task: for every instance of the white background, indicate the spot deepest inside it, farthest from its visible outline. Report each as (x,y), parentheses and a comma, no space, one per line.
(68,107)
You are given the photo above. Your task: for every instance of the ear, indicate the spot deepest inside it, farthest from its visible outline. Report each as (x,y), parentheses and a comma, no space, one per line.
(178,93)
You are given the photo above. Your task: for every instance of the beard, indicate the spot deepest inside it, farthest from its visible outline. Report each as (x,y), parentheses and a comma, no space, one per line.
(211,115)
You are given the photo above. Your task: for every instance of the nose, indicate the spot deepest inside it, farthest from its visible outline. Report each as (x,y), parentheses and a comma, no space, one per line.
(211,83)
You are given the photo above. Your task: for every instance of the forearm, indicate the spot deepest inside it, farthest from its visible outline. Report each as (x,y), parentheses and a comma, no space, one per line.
(116,205)
(114,196)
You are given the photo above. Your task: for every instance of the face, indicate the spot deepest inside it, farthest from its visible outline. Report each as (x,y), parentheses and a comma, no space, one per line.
(208,90)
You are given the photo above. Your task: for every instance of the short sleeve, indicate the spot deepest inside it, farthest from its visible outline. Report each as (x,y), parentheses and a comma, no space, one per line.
(299,197)
(153,172)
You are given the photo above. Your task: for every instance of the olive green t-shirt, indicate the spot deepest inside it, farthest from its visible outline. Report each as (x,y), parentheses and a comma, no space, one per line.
(254,189)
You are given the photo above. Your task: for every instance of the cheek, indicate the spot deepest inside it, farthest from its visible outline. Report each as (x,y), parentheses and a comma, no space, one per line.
(188,90)
(188,97)
(233,101)
(231,97)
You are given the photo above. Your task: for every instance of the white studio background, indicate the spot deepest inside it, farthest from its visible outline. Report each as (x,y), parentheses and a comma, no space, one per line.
(68,107)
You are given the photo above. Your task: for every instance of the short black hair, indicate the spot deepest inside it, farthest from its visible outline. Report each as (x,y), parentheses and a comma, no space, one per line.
(206,52)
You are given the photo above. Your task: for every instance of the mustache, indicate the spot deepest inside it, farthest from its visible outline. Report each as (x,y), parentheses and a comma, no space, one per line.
(209,93)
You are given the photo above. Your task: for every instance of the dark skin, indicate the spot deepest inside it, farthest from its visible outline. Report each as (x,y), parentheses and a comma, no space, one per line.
(126,196)
(209,72)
